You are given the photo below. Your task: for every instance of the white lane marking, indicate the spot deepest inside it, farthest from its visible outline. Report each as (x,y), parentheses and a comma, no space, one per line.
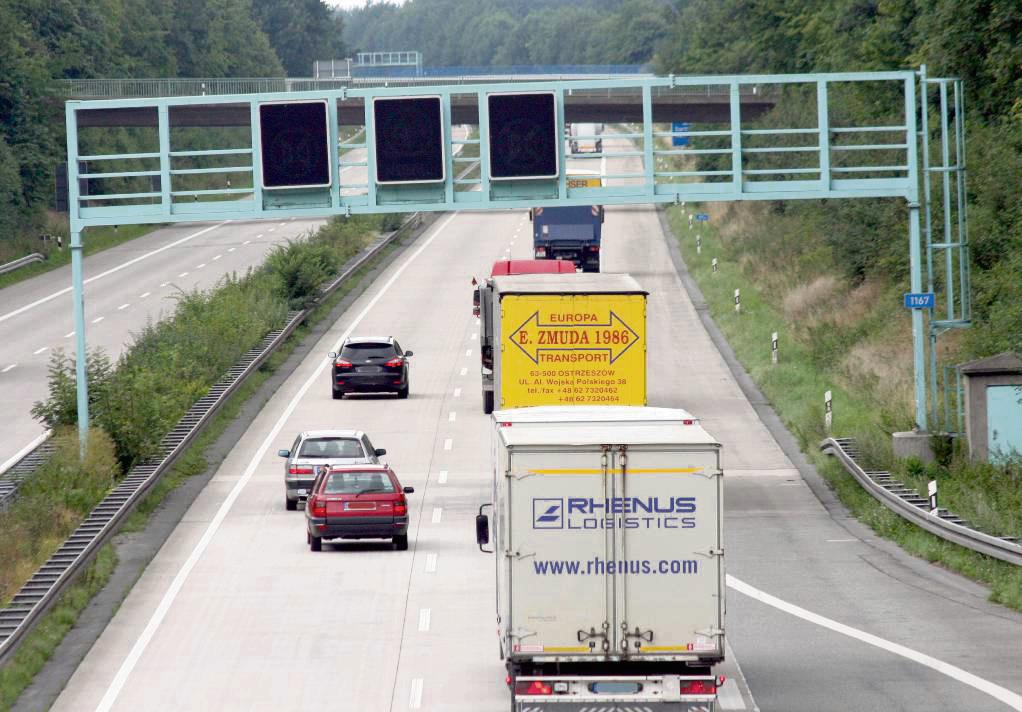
(142,642)
(464,371)
(39,351)
(451,416)
(438,514)
(98,319)
(69,334)
(183,274)
(603,168)
(999,693)
(123,306)
(430,563)
(415,696)
(270,230)
(200,266)
(448,443)
(164,284)
(14,365)
(424,616)
(457,393)
(441,477)
(216,257)
(143,295)
(474,337)
(738,690)
(840,541)
(258,236)
(231,249)
(16,457)
(110,271)
(283,224)
(477,322)
(468,352)
(247,242)
(729,697)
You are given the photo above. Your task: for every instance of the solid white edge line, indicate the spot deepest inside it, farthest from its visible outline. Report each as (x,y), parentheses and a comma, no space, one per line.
(999,693)
(13,460)
(121,677)
(110,271)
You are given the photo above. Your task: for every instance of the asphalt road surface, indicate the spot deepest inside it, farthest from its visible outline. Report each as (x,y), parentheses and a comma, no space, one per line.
(236,613)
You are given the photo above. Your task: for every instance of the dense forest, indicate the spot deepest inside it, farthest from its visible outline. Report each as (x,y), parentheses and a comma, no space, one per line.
(44,40)
(507,32)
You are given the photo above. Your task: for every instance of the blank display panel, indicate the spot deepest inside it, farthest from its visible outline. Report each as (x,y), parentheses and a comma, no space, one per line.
(295,144)
(409,140)
(522,136)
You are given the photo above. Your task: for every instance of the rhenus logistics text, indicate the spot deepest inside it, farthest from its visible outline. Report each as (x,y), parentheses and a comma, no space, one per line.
(614,513)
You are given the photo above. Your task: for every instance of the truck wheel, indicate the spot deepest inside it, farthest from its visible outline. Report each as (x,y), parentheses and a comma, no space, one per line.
(290,504)
(487,402)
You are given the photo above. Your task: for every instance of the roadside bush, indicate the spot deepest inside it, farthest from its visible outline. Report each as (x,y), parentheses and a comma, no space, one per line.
(302,269)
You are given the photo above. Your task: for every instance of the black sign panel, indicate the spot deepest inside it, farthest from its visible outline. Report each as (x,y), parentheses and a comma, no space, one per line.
(295,144)
(409,139)
(523,136)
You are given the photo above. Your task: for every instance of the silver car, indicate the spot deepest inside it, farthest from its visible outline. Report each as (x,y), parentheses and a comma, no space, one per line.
(314,449)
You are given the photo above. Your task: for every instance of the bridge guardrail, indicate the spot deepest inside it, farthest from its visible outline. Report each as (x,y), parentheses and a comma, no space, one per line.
(44,588)
(908,504)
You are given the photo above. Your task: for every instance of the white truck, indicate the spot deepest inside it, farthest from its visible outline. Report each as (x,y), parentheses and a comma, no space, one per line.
(606,523)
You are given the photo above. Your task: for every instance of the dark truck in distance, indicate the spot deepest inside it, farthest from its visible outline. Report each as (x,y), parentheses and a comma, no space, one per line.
(573,233)
(481,300)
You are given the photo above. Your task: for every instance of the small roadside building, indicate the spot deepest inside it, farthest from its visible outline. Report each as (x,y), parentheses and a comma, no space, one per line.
(993,406)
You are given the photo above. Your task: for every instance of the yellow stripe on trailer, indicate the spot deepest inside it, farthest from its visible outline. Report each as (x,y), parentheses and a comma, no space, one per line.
(618,471)
(566,649)
(664,648)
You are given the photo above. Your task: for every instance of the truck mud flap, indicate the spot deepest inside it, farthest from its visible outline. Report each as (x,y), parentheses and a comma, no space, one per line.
(600,706)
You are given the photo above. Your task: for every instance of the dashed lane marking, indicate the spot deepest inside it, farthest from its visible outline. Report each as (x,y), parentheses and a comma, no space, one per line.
(424,616)
(451,416)
(183,274)
(14,365)
(164,284)
(448,443)
(468,352)
(231,249)
(98,319)
(216,257)
(438,514)
(124,306)
(143,295)
(110,271)
(430,563)
(415,696)
(69,334)
(457,393)
(39,351)
(441,477)
(202,266)
(464,371)
(1002,694)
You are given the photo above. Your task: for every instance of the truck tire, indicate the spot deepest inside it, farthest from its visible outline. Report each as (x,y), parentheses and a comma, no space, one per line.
(487,402)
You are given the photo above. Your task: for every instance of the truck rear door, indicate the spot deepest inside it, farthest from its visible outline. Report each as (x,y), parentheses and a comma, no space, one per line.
(669,559)
(557,553)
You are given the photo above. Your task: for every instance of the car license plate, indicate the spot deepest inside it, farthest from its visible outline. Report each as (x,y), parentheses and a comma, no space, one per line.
(303,493)
(359,506)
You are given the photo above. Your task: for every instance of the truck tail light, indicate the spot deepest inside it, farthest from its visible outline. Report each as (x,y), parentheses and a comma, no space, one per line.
(540,252)
(688,421)
(299,470)
(318,507)
(342,363)
(475,310)
(394,363)
(535,687)
(594,248)
(698,687)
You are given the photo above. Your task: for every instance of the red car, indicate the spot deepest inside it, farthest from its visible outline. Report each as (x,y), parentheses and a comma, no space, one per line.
(357,502)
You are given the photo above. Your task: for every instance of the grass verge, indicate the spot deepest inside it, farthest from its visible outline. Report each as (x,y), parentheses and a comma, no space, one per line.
(18,672)
(795,387)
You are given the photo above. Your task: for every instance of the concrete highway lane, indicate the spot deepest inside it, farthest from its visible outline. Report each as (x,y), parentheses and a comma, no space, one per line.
(235,612)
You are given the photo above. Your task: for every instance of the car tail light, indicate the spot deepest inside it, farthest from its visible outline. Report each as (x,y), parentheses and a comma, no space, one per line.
(536,687)
(594,248)
(698,687)
(688,421)
(299,470)
(540,252)
(342,363)
(401,507)
(394,363)
(318,507)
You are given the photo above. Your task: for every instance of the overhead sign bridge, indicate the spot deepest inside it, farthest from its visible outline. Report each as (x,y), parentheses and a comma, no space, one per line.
(393,148)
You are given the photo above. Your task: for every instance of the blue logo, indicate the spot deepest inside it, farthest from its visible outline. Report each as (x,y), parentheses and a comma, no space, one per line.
(548,514)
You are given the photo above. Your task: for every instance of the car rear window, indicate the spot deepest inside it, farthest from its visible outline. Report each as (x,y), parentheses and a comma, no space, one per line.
(366,351)
(331,447)
(355,482)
